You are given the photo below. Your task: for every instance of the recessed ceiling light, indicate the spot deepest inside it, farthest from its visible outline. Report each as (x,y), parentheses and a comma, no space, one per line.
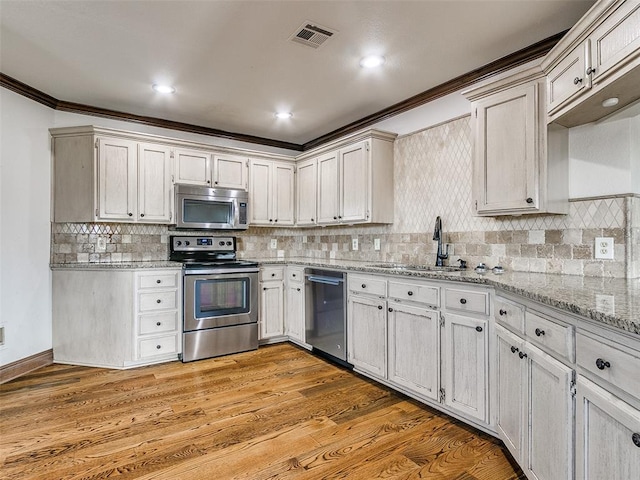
(610,102)
(163,88)
(371,61)
(284,115)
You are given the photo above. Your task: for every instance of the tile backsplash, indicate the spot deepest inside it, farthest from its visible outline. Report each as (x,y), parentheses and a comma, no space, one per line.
(432,177)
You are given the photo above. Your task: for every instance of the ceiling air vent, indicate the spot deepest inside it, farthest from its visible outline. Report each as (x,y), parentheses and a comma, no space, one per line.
(311,35)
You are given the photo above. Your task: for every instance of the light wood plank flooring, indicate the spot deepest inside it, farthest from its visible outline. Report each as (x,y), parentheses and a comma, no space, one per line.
(275,413)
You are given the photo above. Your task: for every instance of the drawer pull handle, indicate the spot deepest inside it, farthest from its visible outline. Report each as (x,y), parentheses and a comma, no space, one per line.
(158,323)
(577,80)
(390,309)
(591,70)
(409,293)
(379,307)
(364,285)
(158,301)
(636,439)
(478,329)
(514,349)
(264,288)
(539,332)
(297,289)
(273,274)
(522,355)
(503,312)
(463,301)
(293,275)
(158,281)
(529,200)
(602,364)
(158,347)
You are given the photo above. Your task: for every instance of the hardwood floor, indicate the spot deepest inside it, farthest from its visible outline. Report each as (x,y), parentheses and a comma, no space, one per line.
(275,413)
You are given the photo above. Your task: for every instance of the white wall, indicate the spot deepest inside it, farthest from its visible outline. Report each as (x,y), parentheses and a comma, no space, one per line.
(25,177)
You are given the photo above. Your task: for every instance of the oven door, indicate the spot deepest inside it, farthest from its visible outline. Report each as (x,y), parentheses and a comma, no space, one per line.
(220,300)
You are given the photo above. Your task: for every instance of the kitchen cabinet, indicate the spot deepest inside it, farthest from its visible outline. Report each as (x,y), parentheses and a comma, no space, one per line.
(230,171)
(199,167)
(116,318)
(271,317)
(306,192)
(597,59)
(101,178)
(520,166)
(328,188)
(271,193)
(367,334)
(294,324)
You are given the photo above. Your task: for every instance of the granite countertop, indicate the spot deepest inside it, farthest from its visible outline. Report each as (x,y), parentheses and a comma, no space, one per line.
(611,301)
(115,265)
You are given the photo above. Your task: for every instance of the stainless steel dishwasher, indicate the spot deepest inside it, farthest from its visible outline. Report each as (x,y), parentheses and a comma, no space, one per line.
(325,312)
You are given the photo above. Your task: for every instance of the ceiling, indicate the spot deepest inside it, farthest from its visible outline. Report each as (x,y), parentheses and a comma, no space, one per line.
(233,64)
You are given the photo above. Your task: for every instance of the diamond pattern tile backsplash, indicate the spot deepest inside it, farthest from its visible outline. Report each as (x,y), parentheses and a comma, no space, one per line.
(432,177)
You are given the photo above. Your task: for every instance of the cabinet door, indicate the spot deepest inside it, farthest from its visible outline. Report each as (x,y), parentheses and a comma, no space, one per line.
(367,334)
(260,192)
(414,348)
(294,319)
(506,165)
(511,386)
(117,179)
(306,192)
(608,435)
(230,171)
(464,355)
(550,407)
(154,183)
(328,183)
(354,183)
(271,309)
(283,194)
(193,167)
(567,80)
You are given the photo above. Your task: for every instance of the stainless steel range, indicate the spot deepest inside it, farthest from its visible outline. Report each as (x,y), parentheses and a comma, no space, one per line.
(220,297)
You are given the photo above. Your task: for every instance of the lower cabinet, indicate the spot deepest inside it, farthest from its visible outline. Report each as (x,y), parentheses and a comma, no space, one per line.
(367,334)
(608,435)
(294,319)
(271,315)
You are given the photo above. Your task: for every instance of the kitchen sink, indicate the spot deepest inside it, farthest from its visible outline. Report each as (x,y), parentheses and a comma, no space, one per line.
(422,268)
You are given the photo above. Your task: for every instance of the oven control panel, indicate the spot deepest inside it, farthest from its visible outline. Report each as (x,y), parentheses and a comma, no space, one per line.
(203,244)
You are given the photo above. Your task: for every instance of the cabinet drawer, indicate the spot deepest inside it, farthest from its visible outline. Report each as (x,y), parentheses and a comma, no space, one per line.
(158,280)
(617,367)
(415,292)
(509,313)
(152,301)
(467,301)
(295,275)
(370,285)
(158,323)
(272,273)
(547,333)
(151,347)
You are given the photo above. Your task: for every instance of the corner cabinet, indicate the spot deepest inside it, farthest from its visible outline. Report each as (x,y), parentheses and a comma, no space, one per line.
(519,165)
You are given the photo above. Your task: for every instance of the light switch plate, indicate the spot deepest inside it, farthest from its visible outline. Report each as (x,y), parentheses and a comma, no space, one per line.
(603,248)
(274,243)
(101,246)
(354,244)
(376,244)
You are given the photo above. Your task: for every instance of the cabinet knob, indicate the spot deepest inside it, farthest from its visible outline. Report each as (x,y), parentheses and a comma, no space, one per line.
(502,312)
(158,323)
(602,364)
(273,274)
(158,281)
(539,332)
(522,355)
(158,347)
(215,183)
(409,293)
(514,349)
(379,307)
(130,214)
(529,200)
(577,80)
(298,289)
(591,70)
(390,309)
(158,301)
(293,275)
(264,288)
(276,220)
(271,219)
(463,301)
(142,215)
(312,219)
(335,218)
(364,285)
(478,328)
(636,439)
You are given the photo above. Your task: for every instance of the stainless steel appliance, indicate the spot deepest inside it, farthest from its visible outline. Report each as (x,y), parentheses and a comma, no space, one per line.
(205,208)
(220,297)
(325,318)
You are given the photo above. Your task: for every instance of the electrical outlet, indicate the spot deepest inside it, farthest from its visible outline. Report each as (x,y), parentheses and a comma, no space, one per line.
(376,244)
(354,244)
(101,246)
(604,248)
(274,243)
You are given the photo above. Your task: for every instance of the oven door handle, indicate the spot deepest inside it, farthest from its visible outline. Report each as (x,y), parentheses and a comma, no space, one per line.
(326,280)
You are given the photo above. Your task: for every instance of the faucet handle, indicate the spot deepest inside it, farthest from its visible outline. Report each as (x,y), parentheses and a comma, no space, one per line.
(463,263)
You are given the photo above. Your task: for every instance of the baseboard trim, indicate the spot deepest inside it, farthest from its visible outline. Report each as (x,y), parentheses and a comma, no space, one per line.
(21,367)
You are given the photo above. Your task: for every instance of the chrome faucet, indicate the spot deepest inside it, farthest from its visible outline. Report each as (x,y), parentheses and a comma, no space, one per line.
(437,235)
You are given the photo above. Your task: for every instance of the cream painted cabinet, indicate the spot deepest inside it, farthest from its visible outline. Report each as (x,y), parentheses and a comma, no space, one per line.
(328,188)
(306,192)
(192,167)
(599,58)
(367,334)
(271,193)
(271,318)
(117,187)
(154,183)
(519,165)
(230,171)
(294,321)
(414,348)
(355,183)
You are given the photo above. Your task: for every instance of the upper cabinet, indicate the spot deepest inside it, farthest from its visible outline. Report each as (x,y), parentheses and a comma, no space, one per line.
(598,59)
(519,164)
(306,192)
(271,193)
(199,167)
(354,181)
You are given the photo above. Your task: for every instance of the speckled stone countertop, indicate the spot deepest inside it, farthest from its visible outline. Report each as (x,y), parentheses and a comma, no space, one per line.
(571,293)
(115,265)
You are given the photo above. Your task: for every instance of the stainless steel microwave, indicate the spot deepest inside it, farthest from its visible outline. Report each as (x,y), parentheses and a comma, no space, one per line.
(205,208)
